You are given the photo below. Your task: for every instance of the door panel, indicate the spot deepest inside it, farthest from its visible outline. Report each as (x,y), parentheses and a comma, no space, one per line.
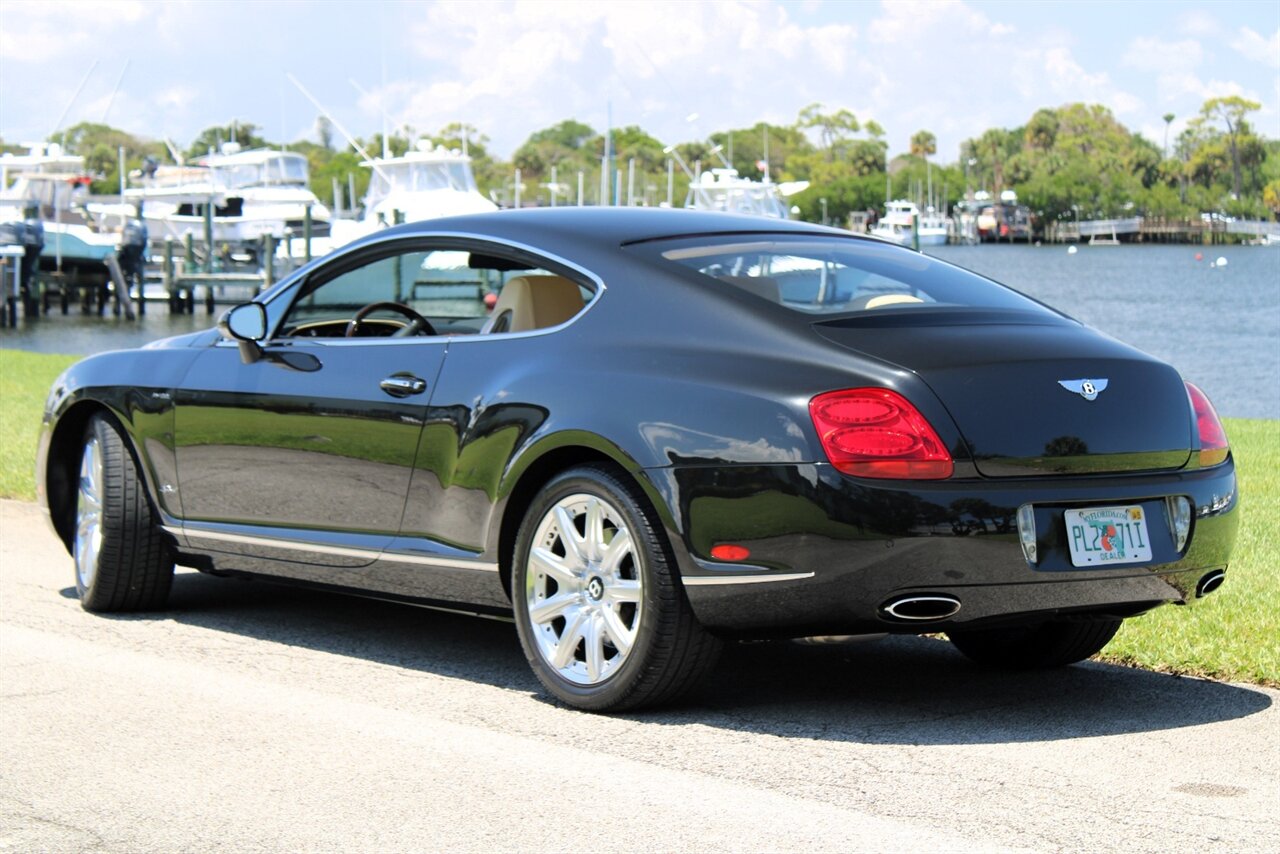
(306,439)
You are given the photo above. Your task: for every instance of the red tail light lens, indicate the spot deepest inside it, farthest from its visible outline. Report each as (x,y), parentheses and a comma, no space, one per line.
(874,432)
(1213,439)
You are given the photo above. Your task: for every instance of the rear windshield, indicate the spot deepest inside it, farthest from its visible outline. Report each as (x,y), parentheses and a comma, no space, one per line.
(832,275)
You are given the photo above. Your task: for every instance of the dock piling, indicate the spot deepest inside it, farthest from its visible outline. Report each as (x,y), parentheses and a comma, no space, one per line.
(306,233)
(208,237)
(169,279)
(268,261)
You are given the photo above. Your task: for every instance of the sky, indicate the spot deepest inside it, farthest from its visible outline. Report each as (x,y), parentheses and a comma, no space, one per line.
(679,70)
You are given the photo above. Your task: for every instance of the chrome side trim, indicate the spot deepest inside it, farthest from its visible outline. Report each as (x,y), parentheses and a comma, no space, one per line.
(273,542)
(705,580)
(340,551)
(447,562)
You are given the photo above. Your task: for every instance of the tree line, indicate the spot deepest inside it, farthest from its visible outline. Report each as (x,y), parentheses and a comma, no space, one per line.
(1073,161)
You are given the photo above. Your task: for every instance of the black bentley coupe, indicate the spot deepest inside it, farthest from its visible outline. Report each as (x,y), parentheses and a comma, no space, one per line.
(642,432)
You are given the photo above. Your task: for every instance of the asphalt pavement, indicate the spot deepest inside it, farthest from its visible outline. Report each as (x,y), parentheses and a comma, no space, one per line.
(252,716)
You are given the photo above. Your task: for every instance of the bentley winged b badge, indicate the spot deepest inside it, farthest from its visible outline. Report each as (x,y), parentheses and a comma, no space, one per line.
(1088,389)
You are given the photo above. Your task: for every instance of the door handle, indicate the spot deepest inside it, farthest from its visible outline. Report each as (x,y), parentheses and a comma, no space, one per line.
(403,385)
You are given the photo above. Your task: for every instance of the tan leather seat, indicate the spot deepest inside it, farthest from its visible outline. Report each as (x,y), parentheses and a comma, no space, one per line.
(533,302)
(880,301)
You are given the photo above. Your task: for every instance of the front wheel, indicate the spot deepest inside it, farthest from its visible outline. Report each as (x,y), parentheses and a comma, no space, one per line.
(122,560)
(1053,644)
(600,610)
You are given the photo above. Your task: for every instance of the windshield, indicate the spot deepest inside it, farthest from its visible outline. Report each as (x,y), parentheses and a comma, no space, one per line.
(832,275)
(422,177)
(235,177)
(286,169)
(757,200)
(282,169)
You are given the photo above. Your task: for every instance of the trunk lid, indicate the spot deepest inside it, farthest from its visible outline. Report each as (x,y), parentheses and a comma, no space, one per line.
(1001,374)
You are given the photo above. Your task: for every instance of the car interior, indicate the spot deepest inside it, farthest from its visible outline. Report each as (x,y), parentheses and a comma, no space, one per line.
(433,292)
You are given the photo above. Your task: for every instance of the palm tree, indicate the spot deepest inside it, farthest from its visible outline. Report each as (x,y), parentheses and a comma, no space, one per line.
(924,143)
(1168,120)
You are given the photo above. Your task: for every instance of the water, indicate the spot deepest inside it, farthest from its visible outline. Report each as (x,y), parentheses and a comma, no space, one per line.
(1219,326)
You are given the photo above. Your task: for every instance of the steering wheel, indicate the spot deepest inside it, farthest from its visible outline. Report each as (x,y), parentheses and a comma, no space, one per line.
(417,323)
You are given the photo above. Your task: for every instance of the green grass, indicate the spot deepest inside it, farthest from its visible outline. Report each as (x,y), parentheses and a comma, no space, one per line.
(24,381)
(1233,635)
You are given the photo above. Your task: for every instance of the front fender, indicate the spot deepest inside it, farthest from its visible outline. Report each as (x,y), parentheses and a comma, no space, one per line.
(143,409)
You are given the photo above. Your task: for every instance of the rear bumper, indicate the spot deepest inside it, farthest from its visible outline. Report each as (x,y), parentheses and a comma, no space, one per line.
(828,551)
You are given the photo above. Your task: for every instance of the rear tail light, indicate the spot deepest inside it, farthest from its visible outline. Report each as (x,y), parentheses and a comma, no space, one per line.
(1213,439)
(874,432)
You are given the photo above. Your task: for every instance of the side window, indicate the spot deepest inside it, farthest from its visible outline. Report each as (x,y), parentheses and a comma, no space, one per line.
(325,307)
(442,291)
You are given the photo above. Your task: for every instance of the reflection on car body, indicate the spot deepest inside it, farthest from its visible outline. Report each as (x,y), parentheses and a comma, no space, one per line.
(639,433)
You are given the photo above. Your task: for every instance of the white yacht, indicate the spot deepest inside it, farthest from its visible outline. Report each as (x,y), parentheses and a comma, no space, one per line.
(253,193)
(724,190)
(898,222)
(427,182)
(57,185)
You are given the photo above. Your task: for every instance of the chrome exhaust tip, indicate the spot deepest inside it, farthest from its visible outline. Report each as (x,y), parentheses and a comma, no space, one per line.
(1211,582)
(918,609)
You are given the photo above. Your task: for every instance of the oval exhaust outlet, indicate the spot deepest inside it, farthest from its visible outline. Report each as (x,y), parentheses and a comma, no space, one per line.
(932,606)
(1211,582)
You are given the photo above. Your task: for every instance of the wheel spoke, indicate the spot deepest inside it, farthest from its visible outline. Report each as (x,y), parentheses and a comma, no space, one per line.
(619,634)
(594,640)
(573,544)
(594,538)
(550,564)
(619,548)
(622,591)
(568,643)
(548,609)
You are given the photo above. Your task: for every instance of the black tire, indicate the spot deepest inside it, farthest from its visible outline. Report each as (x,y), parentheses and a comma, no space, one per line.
(1054,644)
(669,651)
(123,561)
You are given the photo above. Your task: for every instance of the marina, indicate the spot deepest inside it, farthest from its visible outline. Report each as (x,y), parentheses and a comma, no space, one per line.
(1198,316)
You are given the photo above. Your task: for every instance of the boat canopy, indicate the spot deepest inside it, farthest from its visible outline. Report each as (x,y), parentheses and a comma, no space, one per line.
(723,190)
(419,177)
(277,169)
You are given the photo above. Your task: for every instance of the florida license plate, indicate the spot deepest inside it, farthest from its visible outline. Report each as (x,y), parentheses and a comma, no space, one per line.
(1108,536)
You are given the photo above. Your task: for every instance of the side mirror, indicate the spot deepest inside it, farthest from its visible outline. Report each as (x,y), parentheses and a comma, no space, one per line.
(245,324)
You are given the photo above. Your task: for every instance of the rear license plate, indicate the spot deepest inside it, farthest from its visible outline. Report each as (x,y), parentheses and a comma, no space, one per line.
(1107,536)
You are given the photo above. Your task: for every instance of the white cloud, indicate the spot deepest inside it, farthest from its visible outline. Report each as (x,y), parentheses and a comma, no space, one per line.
(1069,80)
(1147,53)
(1257,48)
(1199,23)
(52,29)
(177,97)
(511,67)
(903,21)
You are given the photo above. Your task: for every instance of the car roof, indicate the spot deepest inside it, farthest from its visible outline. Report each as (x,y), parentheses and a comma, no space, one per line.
(607,227)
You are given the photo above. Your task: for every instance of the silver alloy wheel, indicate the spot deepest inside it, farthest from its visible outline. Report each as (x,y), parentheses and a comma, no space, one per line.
(583,589)
(88,542)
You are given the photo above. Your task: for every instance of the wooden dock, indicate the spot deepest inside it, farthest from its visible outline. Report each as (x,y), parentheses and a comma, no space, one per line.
(1156,230)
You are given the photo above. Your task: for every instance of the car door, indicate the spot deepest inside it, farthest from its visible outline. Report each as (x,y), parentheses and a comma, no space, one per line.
(306,453)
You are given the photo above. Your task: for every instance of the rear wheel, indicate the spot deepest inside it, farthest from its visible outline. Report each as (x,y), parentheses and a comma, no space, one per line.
(122,560)
(1054,644)
(600,610)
